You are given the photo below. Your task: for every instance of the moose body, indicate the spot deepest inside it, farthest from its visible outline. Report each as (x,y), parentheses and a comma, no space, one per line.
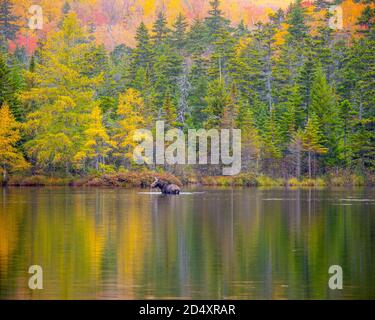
(165,187)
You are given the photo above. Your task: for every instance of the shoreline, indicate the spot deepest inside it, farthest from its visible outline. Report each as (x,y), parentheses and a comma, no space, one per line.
(142,180)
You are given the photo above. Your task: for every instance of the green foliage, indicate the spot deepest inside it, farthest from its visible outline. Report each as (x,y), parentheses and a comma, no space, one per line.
(8,22)
(303,98)
(10,85)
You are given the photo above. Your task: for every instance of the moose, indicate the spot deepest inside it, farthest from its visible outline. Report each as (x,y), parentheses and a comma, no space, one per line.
(165,187)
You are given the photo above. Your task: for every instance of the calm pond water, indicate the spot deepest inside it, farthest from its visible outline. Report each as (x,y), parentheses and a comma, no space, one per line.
(211,244)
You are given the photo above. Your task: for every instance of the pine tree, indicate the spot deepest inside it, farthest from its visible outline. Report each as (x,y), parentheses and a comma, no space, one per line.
(295,148)
(251,140)
(305,82)
(184,88)
(160,29)
(11,159)
(197,39)
(198,92)
(231,110)
(9,88)
(277,18)
(217,100)
(167,67)
(271,138)
(296,19)
(169,113)
(66,8)
(215,20)
(179,31)
(367,19)
(363,144)
(242,30)
(291,116)
(292,54)
(346,117)
(223,52)
(8,22)
(313,140)
(324,106)
(142,52)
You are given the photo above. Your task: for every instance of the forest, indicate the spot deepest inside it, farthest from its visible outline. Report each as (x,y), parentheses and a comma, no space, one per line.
(301,92)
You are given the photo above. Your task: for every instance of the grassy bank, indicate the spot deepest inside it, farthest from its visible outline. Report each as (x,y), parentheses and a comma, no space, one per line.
(144,180)
(329,180)
(125,180)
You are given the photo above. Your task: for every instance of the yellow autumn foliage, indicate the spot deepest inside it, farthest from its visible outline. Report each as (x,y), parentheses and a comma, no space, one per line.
(11,159)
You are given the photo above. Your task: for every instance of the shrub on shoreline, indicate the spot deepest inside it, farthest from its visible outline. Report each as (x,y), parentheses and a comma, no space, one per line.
(144,180)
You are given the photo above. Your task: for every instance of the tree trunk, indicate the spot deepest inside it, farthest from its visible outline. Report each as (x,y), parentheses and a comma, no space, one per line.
(5,177)
(310,164)
(268,79)
(96,163)
(298,168)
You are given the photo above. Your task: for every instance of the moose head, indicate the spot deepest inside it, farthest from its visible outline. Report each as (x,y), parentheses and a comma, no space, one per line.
(156,184)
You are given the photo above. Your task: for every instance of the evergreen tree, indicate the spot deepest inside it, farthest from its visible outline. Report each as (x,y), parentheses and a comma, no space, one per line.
(222,54)
(167,67)
(8,22)
(215,20)
(231,110)
(251,140)
(179,32)
(271,139)
(197,38)
(305,82)
(296,19)
(9,88)
(242,30)
(169,113)
(217,100)
(346,117)
(313,140)
(295,148)
(367,19)
(324,106)
(142,52)
(66,8)
(160,28)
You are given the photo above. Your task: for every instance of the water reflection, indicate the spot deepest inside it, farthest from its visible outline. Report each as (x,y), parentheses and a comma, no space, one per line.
(240,243)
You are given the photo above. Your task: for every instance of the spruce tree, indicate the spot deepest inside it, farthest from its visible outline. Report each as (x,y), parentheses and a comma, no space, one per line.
(324,106)
(295,148)
(215,20)
(142,51)
(313,140)
(251,140)
(367,19)
(178,37)
(296,19)
(217,100)
(8,22)
(160,28)
(9,87)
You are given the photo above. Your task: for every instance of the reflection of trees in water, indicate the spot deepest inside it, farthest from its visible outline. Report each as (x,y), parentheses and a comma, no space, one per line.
(236,243)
